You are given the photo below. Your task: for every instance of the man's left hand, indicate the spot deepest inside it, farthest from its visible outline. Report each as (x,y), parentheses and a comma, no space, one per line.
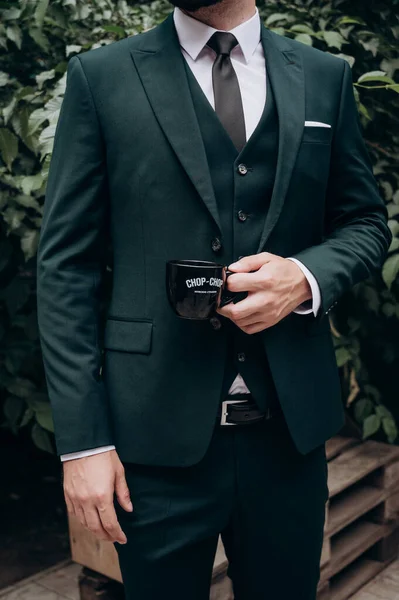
(275,288)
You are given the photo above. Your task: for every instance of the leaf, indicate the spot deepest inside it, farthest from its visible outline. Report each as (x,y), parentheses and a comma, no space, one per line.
(349,59)
(40,12)
(20,124)
(371,298)
(28,414)
(21,387)
(383,412)
(388,190)
(29,243)
(302,29)
(278,30)
(378,76)
(46,140)
(334,39)
(394,245)
(44,76)
(371,425)
(390,429)
(31,183)
(372,45)
(388,310)
(41,438)
(342,356)
(44,418)
(38,36)
(393,209)
(8,147)
(72,49)
(13,409)
(393,226)
(350,21)
(390,270)
(115,29)
(8,110)
(389,66)
(14,34)
(11,15)
(304,38)
(363,110)
(4,78)
(276,17)
(363,409)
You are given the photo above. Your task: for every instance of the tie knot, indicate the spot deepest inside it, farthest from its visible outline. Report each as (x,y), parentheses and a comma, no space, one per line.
(222,42)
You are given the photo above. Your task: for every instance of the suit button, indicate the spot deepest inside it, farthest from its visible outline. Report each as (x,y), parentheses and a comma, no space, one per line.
(215,322)
(241,357)
(242,169)
(242,216)
(216,244)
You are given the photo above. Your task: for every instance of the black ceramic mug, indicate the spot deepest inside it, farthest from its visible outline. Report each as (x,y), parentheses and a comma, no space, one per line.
(195,288)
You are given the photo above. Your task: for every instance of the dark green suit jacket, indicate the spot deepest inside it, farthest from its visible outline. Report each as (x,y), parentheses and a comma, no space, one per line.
(129,167)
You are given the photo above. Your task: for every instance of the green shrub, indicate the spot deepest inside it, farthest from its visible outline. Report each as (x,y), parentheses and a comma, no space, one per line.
(37,37)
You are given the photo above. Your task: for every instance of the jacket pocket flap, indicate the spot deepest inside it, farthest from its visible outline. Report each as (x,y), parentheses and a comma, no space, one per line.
(317,135)
(128,336)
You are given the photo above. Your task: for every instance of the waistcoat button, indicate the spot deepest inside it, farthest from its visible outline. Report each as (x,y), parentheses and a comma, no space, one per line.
(215,322)
(241,356)
(242,169)
(216,244)
(242,216)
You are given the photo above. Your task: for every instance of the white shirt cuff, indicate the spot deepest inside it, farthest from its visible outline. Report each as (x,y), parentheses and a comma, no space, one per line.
(311,306)
(83,453)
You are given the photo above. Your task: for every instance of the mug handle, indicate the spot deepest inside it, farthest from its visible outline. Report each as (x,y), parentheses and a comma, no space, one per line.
(227,296)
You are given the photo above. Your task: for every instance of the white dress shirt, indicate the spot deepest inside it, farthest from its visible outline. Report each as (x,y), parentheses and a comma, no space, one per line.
(249,62)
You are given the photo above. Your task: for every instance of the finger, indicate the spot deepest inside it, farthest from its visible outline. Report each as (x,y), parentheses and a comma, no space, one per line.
(246,321)
(252,262)
(69,505)
(110,522)
(80,515)
(244,308)
(245,282)
(94,524)
(122,491)
(255,327)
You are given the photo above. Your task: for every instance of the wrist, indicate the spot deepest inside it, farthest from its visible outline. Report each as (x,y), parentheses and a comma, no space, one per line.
(302,290)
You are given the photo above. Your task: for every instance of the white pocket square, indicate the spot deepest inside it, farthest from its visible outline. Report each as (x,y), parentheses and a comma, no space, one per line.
(316,124)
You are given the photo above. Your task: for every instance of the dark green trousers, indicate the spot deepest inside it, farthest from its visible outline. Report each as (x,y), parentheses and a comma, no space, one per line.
(265,498)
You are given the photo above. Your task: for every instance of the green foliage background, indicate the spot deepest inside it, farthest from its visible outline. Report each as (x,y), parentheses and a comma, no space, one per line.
(37,37)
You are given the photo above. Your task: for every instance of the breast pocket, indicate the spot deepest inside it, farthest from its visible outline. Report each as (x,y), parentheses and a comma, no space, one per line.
(317,135)
(128,335)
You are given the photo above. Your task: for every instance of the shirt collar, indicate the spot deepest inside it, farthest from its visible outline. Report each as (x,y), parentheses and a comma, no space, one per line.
(194,34)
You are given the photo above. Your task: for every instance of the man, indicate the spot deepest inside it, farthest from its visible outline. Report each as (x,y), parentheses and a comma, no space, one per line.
(211,138)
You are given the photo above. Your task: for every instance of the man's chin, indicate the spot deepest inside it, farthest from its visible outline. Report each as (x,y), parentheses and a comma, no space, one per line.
(194,5)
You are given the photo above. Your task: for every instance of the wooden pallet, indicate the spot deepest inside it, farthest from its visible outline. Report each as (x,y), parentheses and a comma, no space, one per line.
(384,586)
(362,518)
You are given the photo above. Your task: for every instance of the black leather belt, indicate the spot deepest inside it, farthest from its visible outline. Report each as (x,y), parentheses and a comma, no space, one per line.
(242,410)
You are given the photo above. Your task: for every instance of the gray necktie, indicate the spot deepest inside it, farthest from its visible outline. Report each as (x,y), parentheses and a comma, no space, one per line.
(228,102)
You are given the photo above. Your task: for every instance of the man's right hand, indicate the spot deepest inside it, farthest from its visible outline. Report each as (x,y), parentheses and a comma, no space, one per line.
(89,485)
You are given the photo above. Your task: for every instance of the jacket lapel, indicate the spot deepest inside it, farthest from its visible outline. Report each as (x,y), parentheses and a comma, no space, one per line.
(159,62)
(287,79)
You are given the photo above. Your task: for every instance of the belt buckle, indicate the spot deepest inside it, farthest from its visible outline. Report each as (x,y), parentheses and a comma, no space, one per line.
(225,403)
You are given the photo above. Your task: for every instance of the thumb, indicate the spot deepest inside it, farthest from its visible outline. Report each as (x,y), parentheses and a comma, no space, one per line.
(122,491)
(251,263)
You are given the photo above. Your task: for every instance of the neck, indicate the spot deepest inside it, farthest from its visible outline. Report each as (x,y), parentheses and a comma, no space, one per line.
(224,15)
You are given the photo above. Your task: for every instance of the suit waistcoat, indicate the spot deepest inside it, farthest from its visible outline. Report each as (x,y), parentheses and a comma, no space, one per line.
(243,184)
